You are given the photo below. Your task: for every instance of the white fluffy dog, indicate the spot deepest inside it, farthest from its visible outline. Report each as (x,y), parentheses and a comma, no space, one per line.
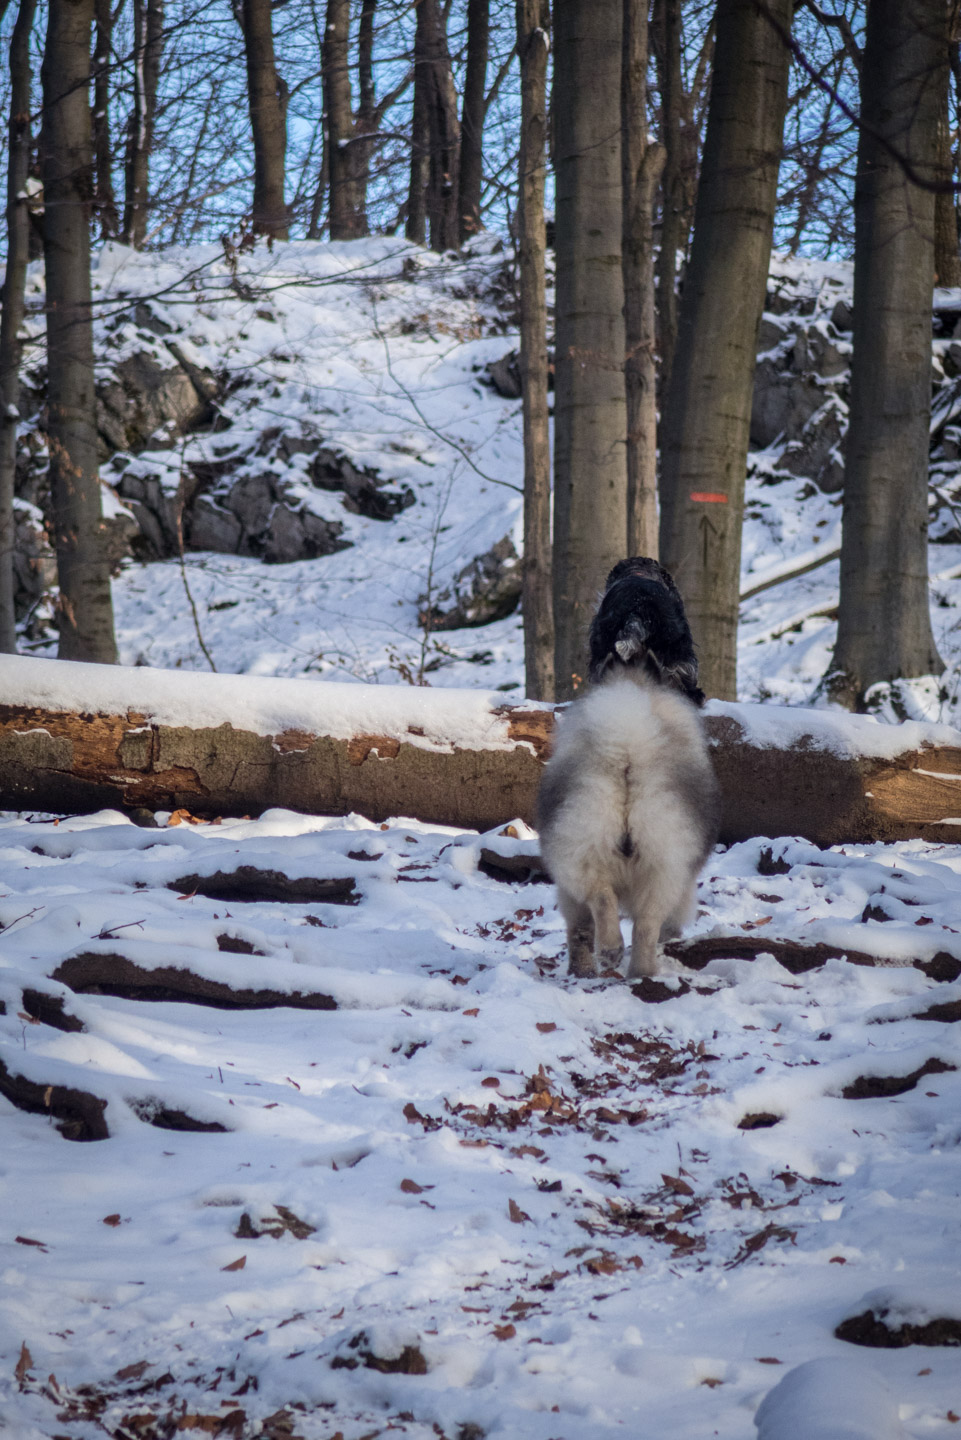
(628,812)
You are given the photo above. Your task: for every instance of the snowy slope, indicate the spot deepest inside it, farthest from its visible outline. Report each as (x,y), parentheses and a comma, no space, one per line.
(478,1198)
(377,350)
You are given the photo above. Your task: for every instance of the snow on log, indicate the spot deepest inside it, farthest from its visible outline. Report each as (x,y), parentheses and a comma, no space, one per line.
(76,738)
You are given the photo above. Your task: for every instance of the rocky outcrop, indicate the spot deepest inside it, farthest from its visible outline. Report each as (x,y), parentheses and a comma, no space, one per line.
(487,589)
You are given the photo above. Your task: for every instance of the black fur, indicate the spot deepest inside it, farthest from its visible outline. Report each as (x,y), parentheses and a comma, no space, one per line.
(640,624)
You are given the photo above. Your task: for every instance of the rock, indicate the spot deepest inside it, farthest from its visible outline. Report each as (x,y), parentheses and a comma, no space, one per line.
(505,376)
(782,405)
(842,316)
(813,350)
(817,455)
(34,562)
(251,498)
(143,397)
(211,527)
(770,334)
(487,589)
(364,492)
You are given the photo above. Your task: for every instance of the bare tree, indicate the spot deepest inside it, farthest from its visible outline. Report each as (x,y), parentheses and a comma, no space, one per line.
(267,100)
(105,202)
(681,116)
(351,136)
(884,621)
(85,604)
(473,109)
(533,46)
(641,164)
(437,125)
(12,301)
(707,411)
(147,50)
(590,466)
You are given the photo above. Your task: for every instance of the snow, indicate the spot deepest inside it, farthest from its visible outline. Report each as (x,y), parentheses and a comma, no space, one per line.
(539,1185)
(425,718)
(830,1399)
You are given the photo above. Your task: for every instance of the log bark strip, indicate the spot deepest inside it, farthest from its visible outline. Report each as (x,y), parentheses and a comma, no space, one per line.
(829,781)
(93,973)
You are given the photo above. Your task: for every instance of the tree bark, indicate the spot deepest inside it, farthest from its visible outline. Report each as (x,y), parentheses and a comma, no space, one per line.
(148,48)
(590,465)
(533,47)
(12,301)
(674,226)
(432,57)
(345,219)
(85,604)
(472,118)
(947,252)
(416,225)
(641,164)
(707,412)
(105,202)
(268,121)
(124,739)
(884,622)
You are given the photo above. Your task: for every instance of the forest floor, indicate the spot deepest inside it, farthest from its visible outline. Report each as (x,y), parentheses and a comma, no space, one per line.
(379,1166)
(478,1198)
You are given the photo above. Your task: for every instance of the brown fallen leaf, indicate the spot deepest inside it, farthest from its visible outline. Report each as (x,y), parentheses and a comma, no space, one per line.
(411,1187)
(953,1418)
(521,1150)
(837,1260)
(679,1186)
(518,1216)
(926,1371)
(546,1026)
(112,1220)
(491,1082)
(768,1360)
(475,1011)
(25,1240)
(237,1264)
(711,1381)
(23,1364)
(134,1371)
(504,1332)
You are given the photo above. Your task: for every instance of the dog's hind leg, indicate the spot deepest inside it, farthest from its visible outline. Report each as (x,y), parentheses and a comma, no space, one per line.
(647,913)
(580,934)
(681,914)
(608,945)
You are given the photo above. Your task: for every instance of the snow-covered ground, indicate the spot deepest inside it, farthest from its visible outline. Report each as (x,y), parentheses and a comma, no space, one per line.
(381,1167)
(536,1195)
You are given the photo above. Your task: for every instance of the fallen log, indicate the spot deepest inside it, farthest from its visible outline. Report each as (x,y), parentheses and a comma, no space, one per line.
(78,738)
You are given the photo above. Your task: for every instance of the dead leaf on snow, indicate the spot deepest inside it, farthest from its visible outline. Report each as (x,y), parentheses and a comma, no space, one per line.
(23,1364)
(237,1264)
(546,1026)
(679,1186)
(25,1240)
(518,1216)
(504,1332)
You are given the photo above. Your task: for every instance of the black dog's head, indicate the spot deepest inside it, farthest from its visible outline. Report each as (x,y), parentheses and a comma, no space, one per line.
(640,624)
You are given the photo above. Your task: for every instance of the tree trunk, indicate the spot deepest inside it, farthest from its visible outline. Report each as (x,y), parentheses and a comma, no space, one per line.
(345,222)
(884,622)
(708,405)
(416,225)
(590,466)
(105,203)
(148,48)
(85,605)
(641,165)
(443,128)
(947,253)
(533,47)
(268,121)
(674,222)
(12,301)
(472,118)
(244,744)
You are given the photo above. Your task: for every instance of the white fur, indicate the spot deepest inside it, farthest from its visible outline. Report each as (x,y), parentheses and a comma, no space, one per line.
(629,771)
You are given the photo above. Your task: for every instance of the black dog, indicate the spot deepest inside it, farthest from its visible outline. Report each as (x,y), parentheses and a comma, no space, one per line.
(640,625)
